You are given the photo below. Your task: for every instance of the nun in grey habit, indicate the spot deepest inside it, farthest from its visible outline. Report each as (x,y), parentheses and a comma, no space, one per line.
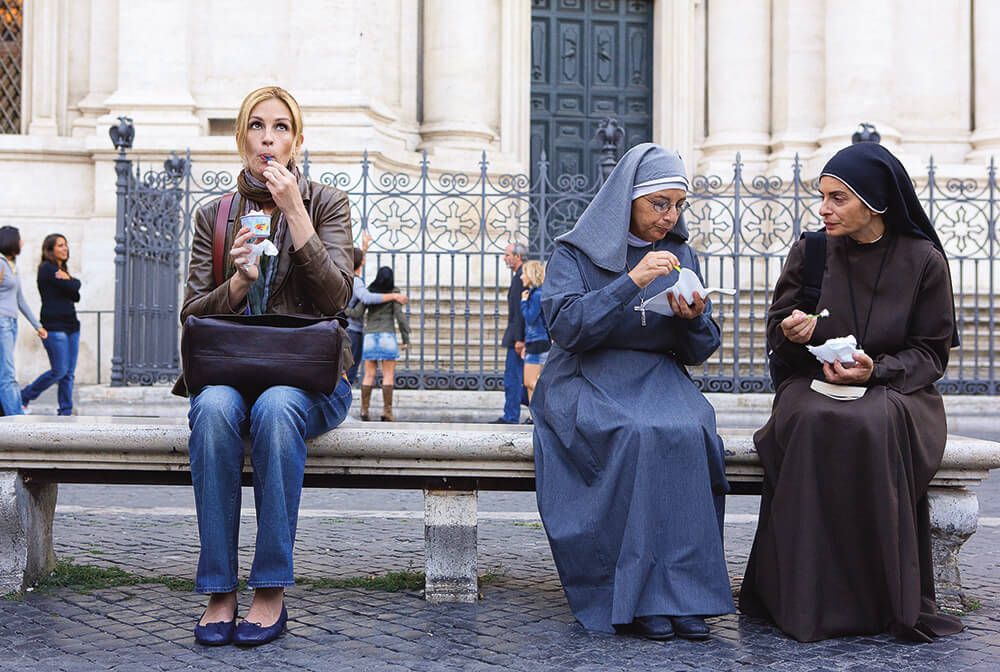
(629,469)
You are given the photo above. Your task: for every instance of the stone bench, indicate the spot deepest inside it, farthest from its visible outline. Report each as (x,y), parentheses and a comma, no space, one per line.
(449,462)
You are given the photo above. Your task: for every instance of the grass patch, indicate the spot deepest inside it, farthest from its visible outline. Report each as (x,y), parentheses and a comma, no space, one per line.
(84,578)
(390,582)
(534,526)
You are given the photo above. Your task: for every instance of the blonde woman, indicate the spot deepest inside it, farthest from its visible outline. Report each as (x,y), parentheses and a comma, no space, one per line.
(312,274)
(536,336)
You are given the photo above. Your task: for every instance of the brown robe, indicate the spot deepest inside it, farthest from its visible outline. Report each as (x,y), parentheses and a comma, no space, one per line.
(843,540)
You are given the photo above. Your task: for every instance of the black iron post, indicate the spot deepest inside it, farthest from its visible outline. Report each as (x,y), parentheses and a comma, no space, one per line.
(611,136)
(122,136)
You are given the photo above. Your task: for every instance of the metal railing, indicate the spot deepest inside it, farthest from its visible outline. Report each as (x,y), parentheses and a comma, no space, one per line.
(444,234)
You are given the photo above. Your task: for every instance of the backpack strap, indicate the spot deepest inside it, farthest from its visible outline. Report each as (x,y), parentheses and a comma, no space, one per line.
(222,219)
(815,266)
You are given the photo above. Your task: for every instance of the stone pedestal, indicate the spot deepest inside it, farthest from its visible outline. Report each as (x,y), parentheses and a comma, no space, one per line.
(450,538)
(25,531)
(954,514)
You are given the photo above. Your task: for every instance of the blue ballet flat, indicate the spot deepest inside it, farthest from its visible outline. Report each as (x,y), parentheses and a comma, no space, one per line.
(219,633)
(254,634)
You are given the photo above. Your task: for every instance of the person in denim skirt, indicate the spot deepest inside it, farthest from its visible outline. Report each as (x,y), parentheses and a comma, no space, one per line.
(11,301)
(536,336)
(59,291)
(311,274)
(356,325)
(380,342)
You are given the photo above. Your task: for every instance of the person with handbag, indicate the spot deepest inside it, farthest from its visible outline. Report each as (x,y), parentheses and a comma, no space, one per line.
(11,301)
(59,291)
(311,274)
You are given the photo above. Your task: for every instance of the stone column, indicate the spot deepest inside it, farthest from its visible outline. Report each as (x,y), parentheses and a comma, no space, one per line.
(673,71)
(859,72)
(931,89)
(515,81)
(739,80)
(45,93)
(451,519)
(102,64)
(153,83)
(954,514)
(986,80)
(462,65)
(797,100)
(25,531)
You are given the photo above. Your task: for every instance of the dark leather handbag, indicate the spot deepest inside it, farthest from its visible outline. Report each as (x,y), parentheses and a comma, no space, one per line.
(255,352)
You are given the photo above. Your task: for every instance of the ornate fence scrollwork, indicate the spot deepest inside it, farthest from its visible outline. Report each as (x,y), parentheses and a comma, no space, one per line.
(444,234)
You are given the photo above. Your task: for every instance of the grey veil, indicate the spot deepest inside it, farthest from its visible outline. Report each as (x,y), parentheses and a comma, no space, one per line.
(600,231)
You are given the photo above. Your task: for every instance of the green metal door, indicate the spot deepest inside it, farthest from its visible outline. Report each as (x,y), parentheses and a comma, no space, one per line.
(590,60)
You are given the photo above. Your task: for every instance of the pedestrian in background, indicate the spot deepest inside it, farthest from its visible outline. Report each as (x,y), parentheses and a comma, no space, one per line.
(11,301)
(59,291)
(513,338)
(536,336)
(380,342)
(362,297)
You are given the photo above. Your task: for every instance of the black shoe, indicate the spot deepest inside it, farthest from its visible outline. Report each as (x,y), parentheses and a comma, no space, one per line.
(501,421)
(219,633)
(690,627)
(529,421)
(254,634)
(653,627)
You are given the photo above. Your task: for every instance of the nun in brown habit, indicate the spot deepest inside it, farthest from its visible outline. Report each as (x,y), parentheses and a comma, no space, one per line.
(843,542)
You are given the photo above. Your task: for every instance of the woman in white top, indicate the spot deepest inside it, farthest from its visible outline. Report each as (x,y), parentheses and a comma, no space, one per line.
(11,300)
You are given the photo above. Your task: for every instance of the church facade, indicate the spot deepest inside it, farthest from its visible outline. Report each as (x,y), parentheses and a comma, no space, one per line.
(770,79)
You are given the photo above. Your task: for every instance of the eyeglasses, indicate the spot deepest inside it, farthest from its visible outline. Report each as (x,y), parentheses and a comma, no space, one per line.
(663,207)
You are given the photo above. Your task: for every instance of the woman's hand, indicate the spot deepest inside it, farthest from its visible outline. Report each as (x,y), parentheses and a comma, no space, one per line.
(61,274)
(652,266)
(42,333)
(402,347)
(525,294)
(856,375)
(683,309)
(284,188)
(798,327)
(241,256)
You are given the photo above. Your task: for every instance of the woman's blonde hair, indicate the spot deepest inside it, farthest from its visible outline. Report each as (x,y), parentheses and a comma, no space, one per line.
(533,272)
(259,96)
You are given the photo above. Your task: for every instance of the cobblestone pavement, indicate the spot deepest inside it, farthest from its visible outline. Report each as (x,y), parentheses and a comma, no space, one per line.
(521,623)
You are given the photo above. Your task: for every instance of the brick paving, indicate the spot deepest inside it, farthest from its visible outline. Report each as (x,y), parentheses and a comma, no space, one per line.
(522,622)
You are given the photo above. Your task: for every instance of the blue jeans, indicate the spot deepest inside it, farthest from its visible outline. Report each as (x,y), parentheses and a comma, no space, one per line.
(10,393)
(62,348)
(513,380)
(278,422)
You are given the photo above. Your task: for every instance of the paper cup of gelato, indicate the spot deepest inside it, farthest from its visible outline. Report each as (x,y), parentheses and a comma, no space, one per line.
(260,225)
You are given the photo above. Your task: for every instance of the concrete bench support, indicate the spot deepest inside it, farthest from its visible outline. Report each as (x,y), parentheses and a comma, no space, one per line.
(954,514)
(25,531)
(450,538)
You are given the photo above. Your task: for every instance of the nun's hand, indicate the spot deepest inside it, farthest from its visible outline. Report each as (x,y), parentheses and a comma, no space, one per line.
(681,307)
(856,375)
(798,327)
(652,266)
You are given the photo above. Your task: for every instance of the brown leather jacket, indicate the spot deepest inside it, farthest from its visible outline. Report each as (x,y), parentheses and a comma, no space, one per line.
(316,279)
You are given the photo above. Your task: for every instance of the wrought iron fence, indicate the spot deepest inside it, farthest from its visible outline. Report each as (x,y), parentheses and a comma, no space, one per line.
(444,234)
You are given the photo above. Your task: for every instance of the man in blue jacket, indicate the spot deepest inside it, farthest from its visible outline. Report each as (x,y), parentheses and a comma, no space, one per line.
(513,338)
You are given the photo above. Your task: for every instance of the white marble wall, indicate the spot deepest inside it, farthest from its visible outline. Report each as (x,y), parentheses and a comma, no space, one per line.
(768,78)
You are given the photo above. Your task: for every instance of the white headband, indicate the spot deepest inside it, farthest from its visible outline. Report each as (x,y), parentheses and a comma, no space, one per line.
(652,186)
